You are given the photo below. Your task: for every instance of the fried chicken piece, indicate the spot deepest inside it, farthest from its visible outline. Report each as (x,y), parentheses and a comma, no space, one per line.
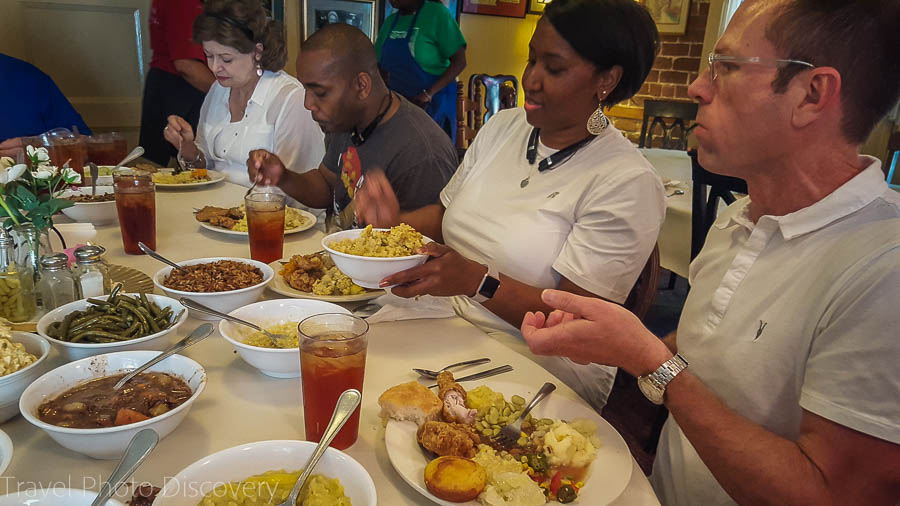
(235,213)
(445,438)
(209,211)
(308,263)
(222,221)
(454,397)
(302,280)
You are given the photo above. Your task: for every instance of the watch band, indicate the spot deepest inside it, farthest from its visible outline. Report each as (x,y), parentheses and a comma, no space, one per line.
(488,286)
(654,385)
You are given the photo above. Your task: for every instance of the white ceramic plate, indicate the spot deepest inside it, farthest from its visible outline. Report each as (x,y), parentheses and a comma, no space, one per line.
(280,286)
(607,477)
(214,177)
(6,451)
(310,223)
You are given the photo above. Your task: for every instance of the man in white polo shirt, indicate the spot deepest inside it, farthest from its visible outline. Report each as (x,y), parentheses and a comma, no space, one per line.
(783,383)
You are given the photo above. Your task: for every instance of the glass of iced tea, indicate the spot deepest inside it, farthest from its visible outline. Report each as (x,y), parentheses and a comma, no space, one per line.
(265,225)
(136,204)
(107,148)
(332,359)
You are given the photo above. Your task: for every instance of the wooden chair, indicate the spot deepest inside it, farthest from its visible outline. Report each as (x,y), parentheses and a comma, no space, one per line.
(500,92)
(469,118)
(704,207)
(670,116)
(644,290)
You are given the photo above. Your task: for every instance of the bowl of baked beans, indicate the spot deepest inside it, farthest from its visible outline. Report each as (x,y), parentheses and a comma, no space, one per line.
(221,283)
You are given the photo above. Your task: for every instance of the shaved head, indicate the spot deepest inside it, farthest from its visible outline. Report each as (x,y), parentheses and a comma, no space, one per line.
(350,50)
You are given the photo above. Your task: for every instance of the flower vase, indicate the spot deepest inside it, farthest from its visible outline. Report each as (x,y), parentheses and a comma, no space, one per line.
(31,244)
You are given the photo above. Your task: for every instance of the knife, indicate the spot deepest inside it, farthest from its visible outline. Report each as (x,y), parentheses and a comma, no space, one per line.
(483,374)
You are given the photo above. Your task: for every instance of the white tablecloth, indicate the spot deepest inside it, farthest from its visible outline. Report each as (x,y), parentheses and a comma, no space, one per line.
(675,236)
(240,405)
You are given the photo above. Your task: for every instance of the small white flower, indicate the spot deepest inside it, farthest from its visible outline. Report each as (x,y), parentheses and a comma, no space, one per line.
(30,150)
(12,173)
(70,176)
(40,154)
(42,173)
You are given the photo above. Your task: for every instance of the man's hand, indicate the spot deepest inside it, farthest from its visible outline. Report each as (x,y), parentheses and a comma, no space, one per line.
(445,274)
(267,164)
(376,203)
(587,330)
(422,99)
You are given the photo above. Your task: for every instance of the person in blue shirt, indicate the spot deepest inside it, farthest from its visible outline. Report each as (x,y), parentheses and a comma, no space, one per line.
(31,104)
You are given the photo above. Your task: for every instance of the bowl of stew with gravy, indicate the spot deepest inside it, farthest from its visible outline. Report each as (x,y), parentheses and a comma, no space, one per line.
(77,407)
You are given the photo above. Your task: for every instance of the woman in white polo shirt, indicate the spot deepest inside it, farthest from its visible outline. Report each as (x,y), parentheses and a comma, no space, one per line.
(551,195)
(253,104)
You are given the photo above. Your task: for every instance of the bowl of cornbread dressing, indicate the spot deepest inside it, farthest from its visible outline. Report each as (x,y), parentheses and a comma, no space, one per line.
(369,255)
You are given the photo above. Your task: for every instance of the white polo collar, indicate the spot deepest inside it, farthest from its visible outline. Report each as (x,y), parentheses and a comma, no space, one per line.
(850,197)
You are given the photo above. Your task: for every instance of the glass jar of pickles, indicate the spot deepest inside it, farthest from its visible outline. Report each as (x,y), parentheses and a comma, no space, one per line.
(17,297)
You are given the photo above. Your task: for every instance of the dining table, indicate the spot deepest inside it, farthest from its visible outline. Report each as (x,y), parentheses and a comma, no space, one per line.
(674,167)
(241,405)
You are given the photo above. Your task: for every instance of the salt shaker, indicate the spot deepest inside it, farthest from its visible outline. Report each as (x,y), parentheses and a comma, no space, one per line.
(90,273)
(57,287)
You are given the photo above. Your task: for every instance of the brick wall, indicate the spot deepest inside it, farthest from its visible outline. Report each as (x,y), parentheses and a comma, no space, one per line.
(676,66)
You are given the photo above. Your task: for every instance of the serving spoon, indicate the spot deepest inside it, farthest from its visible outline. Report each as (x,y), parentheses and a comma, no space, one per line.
(199,334)
(196,306)
(135,153)
(146,249)
(140,446)
(346,405)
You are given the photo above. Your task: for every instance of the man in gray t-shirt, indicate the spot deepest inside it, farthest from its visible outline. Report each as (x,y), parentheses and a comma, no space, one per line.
(367,127)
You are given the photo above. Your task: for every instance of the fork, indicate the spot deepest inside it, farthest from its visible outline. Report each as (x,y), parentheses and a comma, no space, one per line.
(434,374)
(510,433)
(255,182)
(483,374)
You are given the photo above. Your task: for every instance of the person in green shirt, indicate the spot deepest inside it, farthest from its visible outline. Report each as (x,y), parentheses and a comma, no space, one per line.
(422,51)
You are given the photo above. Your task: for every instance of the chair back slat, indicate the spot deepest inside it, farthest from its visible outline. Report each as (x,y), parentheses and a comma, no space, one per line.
(705,204)
(670,117)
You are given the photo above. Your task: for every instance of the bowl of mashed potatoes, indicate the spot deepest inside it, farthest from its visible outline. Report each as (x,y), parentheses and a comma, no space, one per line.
(279,359)
(369,255)
(267,470)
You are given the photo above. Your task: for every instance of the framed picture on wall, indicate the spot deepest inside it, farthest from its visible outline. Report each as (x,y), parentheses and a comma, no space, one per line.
(358,13)
(537,6)
(387,9)
(670,15)
(508,8)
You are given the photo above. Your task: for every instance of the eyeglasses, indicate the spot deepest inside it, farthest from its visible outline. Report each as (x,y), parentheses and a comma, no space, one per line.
(716,61)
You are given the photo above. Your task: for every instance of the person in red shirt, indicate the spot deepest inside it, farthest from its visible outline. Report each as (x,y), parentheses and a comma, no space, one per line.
(178,78)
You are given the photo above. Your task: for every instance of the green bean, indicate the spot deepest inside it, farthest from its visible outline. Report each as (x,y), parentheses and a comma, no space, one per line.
(118,318)
(113,293)
(99,302)
(66,323)
(150,321)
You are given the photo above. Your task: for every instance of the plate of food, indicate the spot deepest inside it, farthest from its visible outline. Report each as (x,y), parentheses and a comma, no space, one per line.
(314,276)
(167,178)
(233,220)
(440,448)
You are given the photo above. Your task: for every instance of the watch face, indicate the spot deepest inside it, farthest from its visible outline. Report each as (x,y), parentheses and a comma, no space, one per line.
(653,393)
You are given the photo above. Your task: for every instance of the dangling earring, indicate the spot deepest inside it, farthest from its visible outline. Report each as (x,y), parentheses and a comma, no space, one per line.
(259,70)
(598,121)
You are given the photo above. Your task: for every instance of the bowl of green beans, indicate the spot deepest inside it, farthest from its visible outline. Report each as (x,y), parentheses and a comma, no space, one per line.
(115,322)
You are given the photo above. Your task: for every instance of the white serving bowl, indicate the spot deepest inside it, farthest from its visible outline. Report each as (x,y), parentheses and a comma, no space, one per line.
(97,213)
(224,302)
(275,362)
(75,351)
(240,462)
(6,449)
(109,442)
(53,497)
(368,272)
(12,385)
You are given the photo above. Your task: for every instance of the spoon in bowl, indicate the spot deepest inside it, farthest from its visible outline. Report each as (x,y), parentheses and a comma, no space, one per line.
(140,446)
(199,334)
(146,249)
(346,405)
(135,153)
(196,306)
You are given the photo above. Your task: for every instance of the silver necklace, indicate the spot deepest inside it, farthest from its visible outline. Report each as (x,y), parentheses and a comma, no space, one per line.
(549,163)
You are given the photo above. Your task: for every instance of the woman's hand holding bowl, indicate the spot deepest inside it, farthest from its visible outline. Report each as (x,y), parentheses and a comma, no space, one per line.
(445,274)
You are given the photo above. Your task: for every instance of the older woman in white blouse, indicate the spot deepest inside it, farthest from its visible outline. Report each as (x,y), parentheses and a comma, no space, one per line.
(253,104)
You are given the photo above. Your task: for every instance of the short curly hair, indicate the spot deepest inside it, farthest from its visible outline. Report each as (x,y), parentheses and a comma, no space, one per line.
(242,24)
(608,33)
